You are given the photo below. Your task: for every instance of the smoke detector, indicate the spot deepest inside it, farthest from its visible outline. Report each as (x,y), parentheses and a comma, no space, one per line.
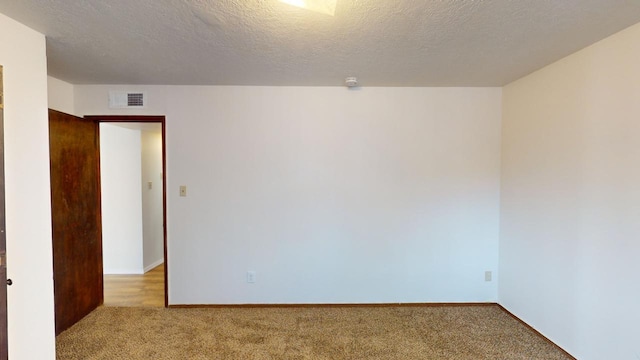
(351,81)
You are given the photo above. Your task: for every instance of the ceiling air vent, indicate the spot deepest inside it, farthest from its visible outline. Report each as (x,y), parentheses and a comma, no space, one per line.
(126,100)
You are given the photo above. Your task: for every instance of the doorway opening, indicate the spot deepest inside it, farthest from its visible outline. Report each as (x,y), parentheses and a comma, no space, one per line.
(132,173)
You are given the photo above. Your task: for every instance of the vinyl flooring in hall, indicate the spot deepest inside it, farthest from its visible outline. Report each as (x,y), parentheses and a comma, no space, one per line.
(145,290)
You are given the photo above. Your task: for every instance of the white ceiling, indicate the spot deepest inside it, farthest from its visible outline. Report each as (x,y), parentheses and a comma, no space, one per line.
(266,42)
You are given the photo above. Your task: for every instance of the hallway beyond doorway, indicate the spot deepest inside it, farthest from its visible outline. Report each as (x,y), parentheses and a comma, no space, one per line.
(145,290)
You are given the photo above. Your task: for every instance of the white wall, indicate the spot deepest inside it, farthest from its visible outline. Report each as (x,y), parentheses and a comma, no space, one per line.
(330,195)
(569,254)
(120,176)
(28,205)
(60,95)
(152,228)
(94,99)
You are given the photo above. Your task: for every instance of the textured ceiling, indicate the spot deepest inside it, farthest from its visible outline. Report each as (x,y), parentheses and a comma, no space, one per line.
(266,42)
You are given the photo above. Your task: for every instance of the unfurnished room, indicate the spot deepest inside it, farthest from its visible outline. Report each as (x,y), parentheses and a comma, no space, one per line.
(320,179)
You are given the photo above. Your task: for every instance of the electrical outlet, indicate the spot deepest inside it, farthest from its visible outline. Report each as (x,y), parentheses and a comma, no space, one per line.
(150,185)
(487,276)
(183,190)
(251,277)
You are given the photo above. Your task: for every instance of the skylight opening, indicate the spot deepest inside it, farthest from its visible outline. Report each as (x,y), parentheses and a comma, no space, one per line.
(327,7)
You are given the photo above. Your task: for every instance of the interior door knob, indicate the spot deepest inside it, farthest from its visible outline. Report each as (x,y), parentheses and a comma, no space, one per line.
(9,282)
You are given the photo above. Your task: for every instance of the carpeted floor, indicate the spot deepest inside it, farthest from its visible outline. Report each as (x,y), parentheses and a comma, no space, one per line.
(456,332)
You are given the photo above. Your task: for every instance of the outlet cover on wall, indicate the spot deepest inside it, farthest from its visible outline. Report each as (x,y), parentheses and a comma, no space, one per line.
(487,276)
(251,277)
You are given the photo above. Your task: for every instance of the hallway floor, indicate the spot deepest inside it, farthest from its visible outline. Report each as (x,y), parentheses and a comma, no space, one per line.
(135,290)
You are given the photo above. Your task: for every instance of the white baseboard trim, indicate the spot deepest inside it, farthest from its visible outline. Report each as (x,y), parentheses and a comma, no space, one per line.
(153,265)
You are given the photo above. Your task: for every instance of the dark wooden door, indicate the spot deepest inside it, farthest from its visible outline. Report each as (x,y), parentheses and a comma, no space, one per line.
(76,218)
(3,240)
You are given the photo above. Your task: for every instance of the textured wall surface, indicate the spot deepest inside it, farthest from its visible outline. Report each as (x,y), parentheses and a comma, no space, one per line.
(266,42)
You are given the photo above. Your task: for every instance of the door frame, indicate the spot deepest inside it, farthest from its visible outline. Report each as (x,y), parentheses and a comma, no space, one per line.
(4,340)
(147,119)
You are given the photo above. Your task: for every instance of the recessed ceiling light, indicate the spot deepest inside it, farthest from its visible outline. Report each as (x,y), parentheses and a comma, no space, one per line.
(322,6)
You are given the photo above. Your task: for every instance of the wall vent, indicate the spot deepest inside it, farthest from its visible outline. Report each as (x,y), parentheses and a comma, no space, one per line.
(127,100)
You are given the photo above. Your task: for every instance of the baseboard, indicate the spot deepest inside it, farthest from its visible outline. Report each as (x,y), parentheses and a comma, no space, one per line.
(336,305)
(153,265)
(536,331)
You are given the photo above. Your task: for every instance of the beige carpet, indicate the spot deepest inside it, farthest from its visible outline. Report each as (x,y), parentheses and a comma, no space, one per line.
(458,332)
